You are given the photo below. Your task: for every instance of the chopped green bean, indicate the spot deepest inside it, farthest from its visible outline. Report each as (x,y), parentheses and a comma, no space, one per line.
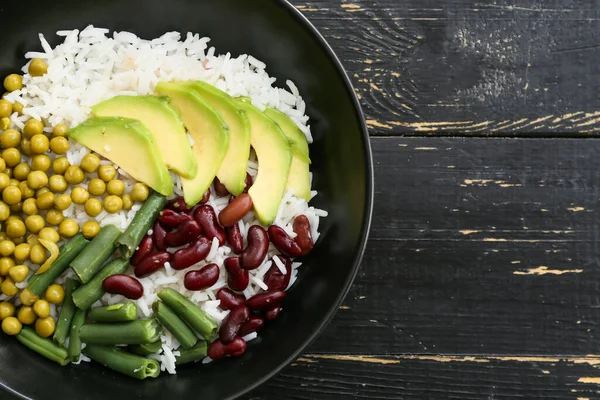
(135,332)
(67,310)
(189,312)
(121,312)
(145,348)
(90,260)
(88,294)
(44,346)
(74,338)
(196,353)
(174,324)
(125,363)
(143,220)
(39,283)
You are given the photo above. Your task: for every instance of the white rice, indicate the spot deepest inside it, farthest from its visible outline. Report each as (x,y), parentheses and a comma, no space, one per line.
(91,66)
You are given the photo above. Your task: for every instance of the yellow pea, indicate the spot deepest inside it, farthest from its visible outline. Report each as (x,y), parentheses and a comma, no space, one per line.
(127,202)
(18,273)
(45,326)
(68,228)
(41,308)
(37,255)
(62,202)
(35,223)
(26,315)
(49,234)
(90,229)
(7,247)
(11,326)
(55,294)
(6,263)
(7,309)
(8,287)
(28,298)
(60,130)
(22,252)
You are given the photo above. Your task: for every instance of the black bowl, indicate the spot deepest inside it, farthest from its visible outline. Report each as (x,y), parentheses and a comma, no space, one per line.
(276,33)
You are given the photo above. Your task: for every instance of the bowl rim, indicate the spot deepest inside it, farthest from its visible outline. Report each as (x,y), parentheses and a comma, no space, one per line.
(365,229)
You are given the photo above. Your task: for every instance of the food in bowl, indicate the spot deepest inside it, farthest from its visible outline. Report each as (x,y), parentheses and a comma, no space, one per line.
(155,200)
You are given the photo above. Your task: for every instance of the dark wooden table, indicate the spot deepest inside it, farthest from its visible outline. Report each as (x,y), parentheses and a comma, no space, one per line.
(482,274)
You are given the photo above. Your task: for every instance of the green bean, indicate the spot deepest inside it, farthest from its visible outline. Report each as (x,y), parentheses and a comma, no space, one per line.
(88,294)
(68,251)
(174,324)
(74,337)
(67,310)
(90,260)
(122,312)
(125,363)
(135,332)
(141,223)
(44,346)
(189,312)
(196,353)
(145,349)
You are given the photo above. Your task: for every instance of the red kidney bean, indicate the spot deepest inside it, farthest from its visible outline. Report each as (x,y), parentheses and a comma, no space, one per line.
(202,278)
(207,219)
(159,233)
(232,323)
(304,238)
(272,313)
(205,197)
(151,263)
(258,245)
(192,254)
(283,242)
(275,280)
(252,324)
(185,233)
(218,350)
(237,278)
(172,219)
(248,183)
(220,189)
(178,205)
(266,300)
(229,299)
(235,210)
(144,248)
(235,239)
(124,285)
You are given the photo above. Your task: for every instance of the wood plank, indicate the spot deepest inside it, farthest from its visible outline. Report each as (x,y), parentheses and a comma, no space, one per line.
(467,67)
(425,377)
(483,189)
(478,246)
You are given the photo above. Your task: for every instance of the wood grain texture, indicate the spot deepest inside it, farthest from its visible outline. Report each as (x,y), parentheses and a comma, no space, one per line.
(423,377)
(467,67)
(482,248)
(464,234)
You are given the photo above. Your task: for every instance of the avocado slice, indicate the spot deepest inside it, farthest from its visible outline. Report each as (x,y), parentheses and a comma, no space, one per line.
(164,122)
(210,134)
(291,130)
(299,178)
(232,172)
(274,153)
(130,145)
